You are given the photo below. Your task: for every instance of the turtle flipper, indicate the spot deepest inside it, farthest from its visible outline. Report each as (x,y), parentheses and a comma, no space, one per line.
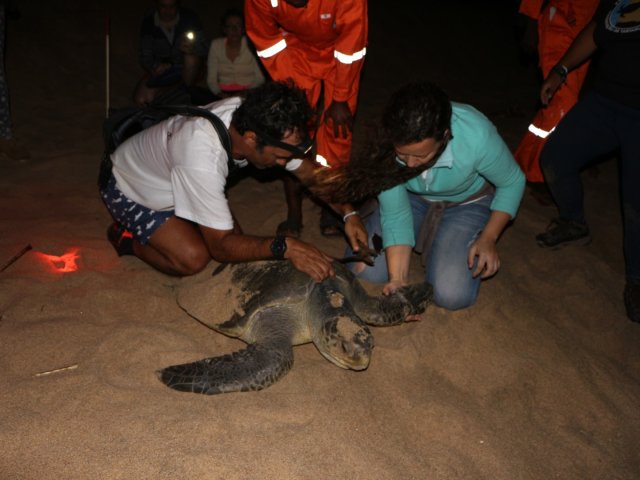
(254,368)
(393,309)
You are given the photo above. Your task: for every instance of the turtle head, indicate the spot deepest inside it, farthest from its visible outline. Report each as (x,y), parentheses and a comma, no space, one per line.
(345,341)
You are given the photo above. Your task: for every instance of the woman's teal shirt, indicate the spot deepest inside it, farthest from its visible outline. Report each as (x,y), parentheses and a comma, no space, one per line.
(475,154)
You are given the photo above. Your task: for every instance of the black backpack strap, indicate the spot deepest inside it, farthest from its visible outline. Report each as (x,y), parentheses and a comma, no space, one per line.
(218,125)
(129,121)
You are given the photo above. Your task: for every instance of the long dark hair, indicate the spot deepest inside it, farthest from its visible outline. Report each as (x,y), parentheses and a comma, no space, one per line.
(415,112)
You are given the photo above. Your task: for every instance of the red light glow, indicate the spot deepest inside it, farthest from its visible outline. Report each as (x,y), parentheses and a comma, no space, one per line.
(61,264)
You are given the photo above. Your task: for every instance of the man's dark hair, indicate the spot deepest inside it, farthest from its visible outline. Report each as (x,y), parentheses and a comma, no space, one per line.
(275,109)
(414,113)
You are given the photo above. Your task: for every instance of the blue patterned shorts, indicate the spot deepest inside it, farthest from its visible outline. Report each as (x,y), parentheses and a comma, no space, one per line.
(137,219)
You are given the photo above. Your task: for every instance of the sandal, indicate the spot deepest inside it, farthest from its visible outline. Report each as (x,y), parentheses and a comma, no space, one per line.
(289,228)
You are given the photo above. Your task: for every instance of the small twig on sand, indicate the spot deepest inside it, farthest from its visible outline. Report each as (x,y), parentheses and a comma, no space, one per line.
(16,257)
(57,370)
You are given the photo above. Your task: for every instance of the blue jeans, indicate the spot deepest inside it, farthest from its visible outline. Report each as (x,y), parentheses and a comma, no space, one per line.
(593,127)
(453,286)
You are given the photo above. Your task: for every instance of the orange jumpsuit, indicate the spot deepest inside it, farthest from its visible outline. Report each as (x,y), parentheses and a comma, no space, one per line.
(558,25)
(321,44)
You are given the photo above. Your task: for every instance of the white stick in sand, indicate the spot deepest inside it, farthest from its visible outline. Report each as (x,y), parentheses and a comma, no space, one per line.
(106,39)
(57,370)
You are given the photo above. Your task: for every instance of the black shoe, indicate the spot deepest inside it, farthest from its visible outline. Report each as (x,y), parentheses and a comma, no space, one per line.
(562,232)
(121,239)
(632,300)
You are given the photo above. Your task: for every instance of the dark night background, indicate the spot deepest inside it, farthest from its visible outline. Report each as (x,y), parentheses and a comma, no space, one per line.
(540,379)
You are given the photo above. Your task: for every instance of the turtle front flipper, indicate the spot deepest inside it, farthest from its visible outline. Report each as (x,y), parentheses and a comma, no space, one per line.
(254,368)
(395,308)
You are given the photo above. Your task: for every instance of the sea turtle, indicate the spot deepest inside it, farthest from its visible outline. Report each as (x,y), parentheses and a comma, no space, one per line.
(272,307)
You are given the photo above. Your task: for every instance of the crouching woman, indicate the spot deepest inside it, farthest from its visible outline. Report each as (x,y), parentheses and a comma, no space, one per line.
(449,187)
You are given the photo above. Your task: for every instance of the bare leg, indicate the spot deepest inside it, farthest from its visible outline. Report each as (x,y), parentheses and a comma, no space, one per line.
(176,248)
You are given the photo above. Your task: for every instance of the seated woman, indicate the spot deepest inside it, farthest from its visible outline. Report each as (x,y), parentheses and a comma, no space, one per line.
(448,188)
(232,67)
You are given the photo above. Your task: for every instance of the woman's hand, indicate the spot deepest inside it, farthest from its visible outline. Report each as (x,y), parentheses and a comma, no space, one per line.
(391,286)
(487,254)
(484,248)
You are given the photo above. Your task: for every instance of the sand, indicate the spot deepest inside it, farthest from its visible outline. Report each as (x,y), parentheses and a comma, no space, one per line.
(540,379)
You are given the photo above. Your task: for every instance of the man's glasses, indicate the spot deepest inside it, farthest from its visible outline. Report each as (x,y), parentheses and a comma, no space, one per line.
(300,150)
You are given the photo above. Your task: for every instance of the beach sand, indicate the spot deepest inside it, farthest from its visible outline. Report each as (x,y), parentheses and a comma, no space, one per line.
(540,379)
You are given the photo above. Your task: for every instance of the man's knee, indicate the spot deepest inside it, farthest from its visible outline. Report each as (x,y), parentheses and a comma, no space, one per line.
(190,260)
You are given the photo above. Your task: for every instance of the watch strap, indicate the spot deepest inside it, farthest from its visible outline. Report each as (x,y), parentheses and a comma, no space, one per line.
(279,247)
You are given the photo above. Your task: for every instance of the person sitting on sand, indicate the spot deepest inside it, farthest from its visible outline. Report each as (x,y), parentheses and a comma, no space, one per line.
(167,195)
(448,188)
(231,65)
(172,50)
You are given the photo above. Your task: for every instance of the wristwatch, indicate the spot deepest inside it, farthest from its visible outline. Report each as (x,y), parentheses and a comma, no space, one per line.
(561,71)
(279,247)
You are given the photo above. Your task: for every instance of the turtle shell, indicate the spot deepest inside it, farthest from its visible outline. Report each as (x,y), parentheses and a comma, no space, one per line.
(228,302)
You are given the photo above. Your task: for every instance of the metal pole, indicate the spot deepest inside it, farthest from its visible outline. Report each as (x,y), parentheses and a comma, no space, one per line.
(106,36)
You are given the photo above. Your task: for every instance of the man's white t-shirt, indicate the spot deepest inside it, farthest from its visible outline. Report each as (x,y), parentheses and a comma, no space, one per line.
(180,164)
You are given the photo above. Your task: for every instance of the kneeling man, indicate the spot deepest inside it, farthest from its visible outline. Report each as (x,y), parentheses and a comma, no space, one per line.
(167,189)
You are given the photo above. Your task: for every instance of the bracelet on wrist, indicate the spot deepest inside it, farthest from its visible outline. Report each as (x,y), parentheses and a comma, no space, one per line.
(561,71)
(349,214)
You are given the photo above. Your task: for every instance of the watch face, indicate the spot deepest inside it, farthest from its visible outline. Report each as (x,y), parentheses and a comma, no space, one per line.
(278,247)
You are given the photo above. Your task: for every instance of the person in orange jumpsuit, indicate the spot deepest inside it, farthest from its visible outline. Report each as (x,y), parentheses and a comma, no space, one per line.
(559,22)
(320,45)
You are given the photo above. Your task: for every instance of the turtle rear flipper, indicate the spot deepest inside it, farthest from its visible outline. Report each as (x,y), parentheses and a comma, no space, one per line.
(254,368)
